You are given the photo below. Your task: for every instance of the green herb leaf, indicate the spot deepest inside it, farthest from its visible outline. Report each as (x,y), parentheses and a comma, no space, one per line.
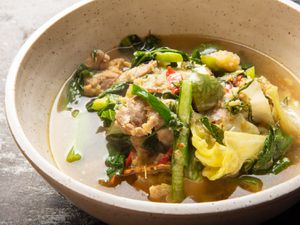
(133,41)
(275,147)
(75,86)
(214,130)
(107,116)
(115,164)
(152,144)
(73,156)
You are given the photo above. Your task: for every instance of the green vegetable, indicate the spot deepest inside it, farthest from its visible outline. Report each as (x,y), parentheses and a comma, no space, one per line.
(146,56)
(75,86)
(168,116)
(280,165)
(250,72)
(204,49)
(194,168)
(275,147)
(102,100)
(180,154)
(118,89)
(221,61)
(249,183)
(119,146)
(115,164)
(119,142)
(75,113)
(131,41)
(134,41)
(72,156)
(214,130)
(168,57)
(152,144)
(107,116)
(98,104)
(207,91)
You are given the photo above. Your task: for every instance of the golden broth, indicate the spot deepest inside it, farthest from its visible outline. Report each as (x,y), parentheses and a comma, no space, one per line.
(83,131)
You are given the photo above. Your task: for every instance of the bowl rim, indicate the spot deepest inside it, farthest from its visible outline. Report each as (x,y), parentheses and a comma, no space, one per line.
(110,199)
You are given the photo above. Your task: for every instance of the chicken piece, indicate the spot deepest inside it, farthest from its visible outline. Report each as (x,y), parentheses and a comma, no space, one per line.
(137,118)
(132,74)
(98,60)
(165,136)
(96,84)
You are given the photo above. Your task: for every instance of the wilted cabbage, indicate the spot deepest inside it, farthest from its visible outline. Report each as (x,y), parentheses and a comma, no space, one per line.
(288,121)
(261,110)
(221,160)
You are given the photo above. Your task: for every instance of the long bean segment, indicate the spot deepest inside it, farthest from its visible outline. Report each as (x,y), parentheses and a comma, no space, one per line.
(181,148)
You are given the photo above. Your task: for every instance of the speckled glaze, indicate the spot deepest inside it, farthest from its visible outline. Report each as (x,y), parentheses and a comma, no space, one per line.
(51,53)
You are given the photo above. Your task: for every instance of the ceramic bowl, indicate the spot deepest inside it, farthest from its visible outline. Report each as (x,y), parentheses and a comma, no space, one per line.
(52,52)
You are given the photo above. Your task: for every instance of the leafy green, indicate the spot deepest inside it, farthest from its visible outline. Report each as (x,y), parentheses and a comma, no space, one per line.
(204,49)
(119,142)
(146,56)
(134,41)
(115,164)
(249,183)
(101,101)
(152,144)
(167,115)
(275,147)
(73,156)
(119,89)
(107,116)
(207,91)
(214,130)
(75,86)
(118,147)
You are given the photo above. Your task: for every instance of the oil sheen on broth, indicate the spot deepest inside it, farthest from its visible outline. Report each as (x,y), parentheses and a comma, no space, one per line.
(84,131)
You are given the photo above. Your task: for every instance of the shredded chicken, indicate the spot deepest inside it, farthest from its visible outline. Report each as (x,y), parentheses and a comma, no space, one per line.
(132,74)
(136,118)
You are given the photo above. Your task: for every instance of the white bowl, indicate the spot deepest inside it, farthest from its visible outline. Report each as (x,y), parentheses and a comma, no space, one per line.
(51,53)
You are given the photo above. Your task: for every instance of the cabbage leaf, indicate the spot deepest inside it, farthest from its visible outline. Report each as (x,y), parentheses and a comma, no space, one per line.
(261,111)
(222,160)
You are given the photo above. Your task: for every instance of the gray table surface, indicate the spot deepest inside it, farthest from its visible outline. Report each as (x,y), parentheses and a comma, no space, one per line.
(25,198)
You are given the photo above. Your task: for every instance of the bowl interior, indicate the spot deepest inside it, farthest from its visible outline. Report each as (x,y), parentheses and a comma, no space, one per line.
(101,24)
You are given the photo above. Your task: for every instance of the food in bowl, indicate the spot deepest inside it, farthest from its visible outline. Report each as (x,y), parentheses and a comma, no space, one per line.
(179,124)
